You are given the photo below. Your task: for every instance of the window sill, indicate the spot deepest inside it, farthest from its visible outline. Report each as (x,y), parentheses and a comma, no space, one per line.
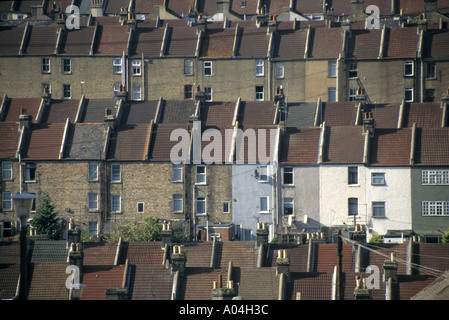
(177,212)
(264,212)
(116,212)
(95,211)
(353,185)
(288,185)
(177,181)
(30,181)
(379,217)
(201,184)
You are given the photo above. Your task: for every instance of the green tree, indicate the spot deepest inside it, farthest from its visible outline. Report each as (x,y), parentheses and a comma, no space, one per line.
(445,238)
(148,230)
(46,220)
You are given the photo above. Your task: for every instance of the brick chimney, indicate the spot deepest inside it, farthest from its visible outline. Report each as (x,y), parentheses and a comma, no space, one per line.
(109,119)
(361,292)
(131,22)
(368,123)
(201,24)
(445,97)
(179,260)
(391,268)
(167,234)
(76,256)
(122,93)
(73,233)
(262,234)
(220,292)
(123,14)
(24,119)
(283,263)
(46,95)
(97,8)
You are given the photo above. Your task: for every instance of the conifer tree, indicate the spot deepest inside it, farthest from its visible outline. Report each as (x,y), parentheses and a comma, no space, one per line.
(46,219)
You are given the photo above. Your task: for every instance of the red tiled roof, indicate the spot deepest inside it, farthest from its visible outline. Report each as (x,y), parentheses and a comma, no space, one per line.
(97,278)
(48,281)
(111,40)
(290,45)
(436,45)
(150,282)
(390,147)
(45,142)
(257,113)
(198,254)
(307,7)
(42,40)
(60,110)
(426,115)
(197,284)
(241,253)
(129,142)
(161,145)
(325,43)
(250,7)
(182,41)
(78,41)
(146,6)
(401,43)
(10,139)
(9,278)
(410,286)
(383,5)
(434,256)
(139,253)
(386,115)
(432,147)
(411,7)
(364,44)
(258,283)
(249,142)
(344,145)
(99,253)
(217,43)
(253,42)
(276,7)
(11,39)
(299,146)
(218,114)
(339,113)
(14,108)
(311,286)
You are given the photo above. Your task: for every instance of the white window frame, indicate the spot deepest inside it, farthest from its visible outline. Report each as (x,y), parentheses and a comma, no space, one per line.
(279,70)
(207,69)
(353,171)
(411,91)
(208,93)
(226,207)
(116,89)
(200,177)
(353,70)
(116,207)
(92,171)
(263,173)
(353,203)
(200,200)
(259,94)
(92,201)
(331,94)
(176,172)
(435,177)
(177,201)
(7,203)
(140,204)
(117,65)
(352,94)
(264,201)
(66,66)
(118,171)
(288,203)
(67,91)
(332,69)
(435,208)
(7,173)
(137,68)
(46,65)
(259,68)
(93,227)
(378,178)
(291,173)
(408,64)
(137,93)
(188,67)
(378,205)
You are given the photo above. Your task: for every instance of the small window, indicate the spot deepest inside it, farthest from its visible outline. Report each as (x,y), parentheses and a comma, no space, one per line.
(208,94)
(66,66)
(259,93)
(93,201)
(263,173)
(279,70)
(226,207)
(408,69)
(352,94)
(6,170)
(263,204)
(116,173)
(353,175)
(188,67)
(207,68)
(117,65)
(92,171)
(140,207)
(177,203)
(46,86)
(46,68)
(431,70)
(93,227)
(332,69)
(200,176)
(378,178)
(30,172)
(331,94)
(116,90)
(200,205)
(137,93)
(116,203)
(7,201)
(259,68)
(408,94)
(288,206)
(288,176)
(243,4)
(176,172)
(378,209)
(66,91)
(188,92)
(353,206)
(137,67)
(353,70)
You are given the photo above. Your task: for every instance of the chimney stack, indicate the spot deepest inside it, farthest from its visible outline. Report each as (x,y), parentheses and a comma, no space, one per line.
(262,234)
(109,119)
(178,260)
(368,123)
(46,95)
(96,8)
(122,93)
(391,268)
(167,234)
(74,233)
(223,293)
(24,120)
(283,263)
(361,292)
(76,256)
(201,24)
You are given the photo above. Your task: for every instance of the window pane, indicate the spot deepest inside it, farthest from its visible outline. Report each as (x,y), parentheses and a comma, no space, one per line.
(378,178)
(7,200)
(226,207)
(93,227)
(200,174)
(279,70)
(378,209)
(115,172)
(259,68)
(353,206)
(200,205)
(331,94)
(115,203)
(259,93)
(92,171)
(288,205)
(176,172)
(30,172)
(332,69)
(264,204)
(352,175)
(140,207)
(7,170)
(93,201)
(188,67)
(288,175)
(263,173)
(177,203)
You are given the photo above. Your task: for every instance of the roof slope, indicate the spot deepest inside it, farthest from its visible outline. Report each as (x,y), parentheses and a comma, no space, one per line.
(60,110)
(129,142)
(150,282)
(390,147)
(14,108)
(99,253)
(97,278)
(344,145)
(299,146)
(48,281)
(432,147)
(86,141)
(10,139)
(48,251)
(44,143)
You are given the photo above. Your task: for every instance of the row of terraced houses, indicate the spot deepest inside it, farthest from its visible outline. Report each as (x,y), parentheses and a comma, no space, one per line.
(354,119)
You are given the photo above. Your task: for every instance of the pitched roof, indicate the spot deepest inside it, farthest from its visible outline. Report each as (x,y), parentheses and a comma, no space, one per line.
(386,115)
(310,286)
(425,115)
(142,253)
(217,43)
(9,252)
(436,44)
(44,142)
(401,43)
(182,41)
(300,114)
(344,145)
(48,281)
(11,39)
(390,147)
(97,278)
(250,146)
(299,146)
(60,110)
(94,109)
(86,141)
(41,251)
(99,253)
(307,7)
(147,40)
(339,113)
(129,142)
(241,253)
(10,139)
(14,108)
(218,114)
(364,44)
(140,112)
(432,147)
(197,283)
(198,254)
(257,283)
(290,44)
(78,41)
(249,8)
(150,282)
(112,40)
(114,7)
(325,43)
(160,144)
(9,279)
(252,42)
(256,113)
(146,6)
(42,40)
(177,111)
